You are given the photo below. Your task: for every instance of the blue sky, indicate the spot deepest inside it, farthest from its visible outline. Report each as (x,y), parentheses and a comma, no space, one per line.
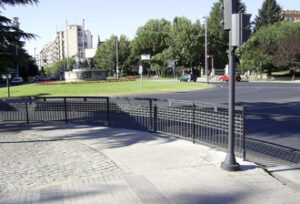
(107,17)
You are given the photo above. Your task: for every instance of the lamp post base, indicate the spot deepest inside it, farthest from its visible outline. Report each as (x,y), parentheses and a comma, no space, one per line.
(230,164)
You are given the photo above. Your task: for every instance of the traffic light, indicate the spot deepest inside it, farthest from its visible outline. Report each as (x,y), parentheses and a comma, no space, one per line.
(245,27)
(240,29)
(228,8)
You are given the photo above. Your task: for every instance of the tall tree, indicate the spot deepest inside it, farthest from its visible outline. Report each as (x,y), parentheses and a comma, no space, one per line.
(186,42)
(268,14)
(217,37)
(264,44)
(105,58)
(152,38)
(288,54)
(11,36)
(159,62)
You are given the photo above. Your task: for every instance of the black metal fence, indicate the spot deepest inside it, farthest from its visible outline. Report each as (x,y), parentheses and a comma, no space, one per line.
(197,122)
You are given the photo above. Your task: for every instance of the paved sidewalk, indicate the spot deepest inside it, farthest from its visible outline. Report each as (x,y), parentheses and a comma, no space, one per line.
(57,163)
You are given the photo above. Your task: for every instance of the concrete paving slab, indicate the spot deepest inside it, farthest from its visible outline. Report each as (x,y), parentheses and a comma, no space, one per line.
(150,169)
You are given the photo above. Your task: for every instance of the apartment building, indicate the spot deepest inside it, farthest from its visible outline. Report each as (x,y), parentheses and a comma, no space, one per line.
(68,43)
(291,15)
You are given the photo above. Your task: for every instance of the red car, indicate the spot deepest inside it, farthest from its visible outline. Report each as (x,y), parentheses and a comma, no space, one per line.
(226,78)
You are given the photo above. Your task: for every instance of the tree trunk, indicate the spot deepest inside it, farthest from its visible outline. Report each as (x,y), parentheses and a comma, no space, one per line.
(269,72)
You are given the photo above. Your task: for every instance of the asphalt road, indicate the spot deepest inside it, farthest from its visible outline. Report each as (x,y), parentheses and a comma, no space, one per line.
(272,109)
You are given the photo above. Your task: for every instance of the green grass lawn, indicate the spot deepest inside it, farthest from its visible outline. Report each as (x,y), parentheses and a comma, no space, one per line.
(100,89)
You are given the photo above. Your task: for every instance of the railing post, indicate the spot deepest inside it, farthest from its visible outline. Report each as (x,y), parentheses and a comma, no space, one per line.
(66,111)
(243,133)
(155,119)
(107,112)
(193,123)
(26,107)
(150,116)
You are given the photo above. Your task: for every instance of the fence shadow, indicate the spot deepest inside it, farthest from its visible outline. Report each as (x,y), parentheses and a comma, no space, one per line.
(273,130)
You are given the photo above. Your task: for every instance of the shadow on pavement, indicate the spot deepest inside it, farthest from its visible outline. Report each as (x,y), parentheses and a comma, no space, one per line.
(273,130)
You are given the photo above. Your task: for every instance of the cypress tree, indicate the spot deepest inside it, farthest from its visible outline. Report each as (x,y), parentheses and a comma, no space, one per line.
(270,13)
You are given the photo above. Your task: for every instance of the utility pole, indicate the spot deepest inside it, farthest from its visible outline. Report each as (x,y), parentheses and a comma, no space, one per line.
(117,57)
(17,25)
(206,51)
(67,38)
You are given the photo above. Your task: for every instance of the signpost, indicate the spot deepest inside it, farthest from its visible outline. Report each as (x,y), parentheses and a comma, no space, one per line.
(171,64)
(146,57)
(7,77)
(141,73)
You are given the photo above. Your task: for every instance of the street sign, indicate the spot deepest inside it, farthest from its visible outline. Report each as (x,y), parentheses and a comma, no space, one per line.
(146,57)
(5,76)
(75,66)
(140,69)
(171,63)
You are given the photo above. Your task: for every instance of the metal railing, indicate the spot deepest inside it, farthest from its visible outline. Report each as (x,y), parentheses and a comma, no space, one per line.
(197,122)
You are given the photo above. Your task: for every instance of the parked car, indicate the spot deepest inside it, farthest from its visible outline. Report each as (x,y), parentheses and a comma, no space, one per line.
(226,78)
(188,77)
(17,81)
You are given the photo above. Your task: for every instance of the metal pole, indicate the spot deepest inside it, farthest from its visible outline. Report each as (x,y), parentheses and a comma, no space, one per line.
(67,38)
(7,83)
(230,163)
(151,116)
(243,135)
(66,110)
(212,65)
(83,40)
(206,51)
(193,123)
(107,112)
(27,111)
(142,82)
(117,58)
(17,54)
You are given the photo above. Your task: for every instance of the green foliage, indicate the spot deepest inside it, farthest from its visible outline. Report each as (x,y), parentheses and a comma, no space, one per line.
(159,62)
(288,53)
(49,71)
(218,38)
(186,41)
(264,44)
(152,38)
(270,13)
(10,36)
(105,58)
(16,2)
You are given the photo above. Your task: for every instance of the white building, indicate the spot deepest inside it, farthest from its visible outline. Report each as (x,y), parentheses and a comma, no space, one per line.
(67,43)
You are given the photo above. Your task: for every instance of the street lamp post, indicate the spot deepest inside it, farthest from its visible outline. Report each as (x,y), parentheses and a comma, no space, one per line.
(117,58)
(206,51)
(67,39)
(17,25)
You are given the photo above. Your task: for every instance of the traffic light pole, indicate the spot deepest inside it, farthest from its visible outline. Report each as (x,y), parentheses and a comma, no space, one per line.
(230,163)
